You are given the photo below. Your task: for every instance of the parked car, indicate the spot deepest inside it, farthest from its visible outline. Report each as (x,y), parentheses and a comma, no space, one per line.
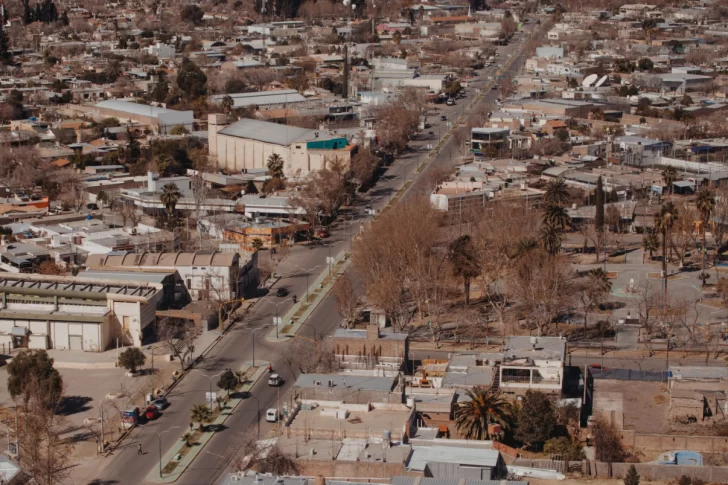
(275,380)
(271,415)
(151,413)
(161,403)
(92,206)
(450,102)
(281,292)
(443,118)
(598,367)
(323,233)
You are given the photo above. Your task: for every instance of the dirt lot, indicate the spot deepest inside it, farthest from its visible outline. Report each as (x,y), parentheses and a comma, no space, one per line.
(583,481)
(645,404)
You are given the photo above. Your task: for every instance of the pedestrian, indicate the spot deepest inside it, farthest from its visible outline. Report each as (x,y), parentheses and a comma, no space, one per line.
(139,451)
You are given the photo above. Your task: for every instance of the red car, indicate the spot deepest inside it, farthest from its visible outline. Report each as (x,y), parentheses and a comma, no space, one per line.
(598,367)
(151,413)
(323,233)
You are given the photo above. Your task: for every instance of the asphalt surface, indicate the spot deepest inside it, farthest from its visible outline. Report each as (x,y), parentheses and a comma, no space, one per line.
(125,466)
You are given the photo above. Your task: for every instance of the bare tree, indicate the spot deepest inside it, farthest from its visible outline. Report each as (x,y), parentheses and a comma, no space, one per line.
(305,356)
(263,457)
(347,300)
(177,334)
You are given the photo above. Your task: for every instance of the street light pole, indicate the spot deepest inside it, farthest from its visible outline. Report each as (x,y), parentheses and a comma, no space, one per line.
(159,435)
(253,330)
(209,380)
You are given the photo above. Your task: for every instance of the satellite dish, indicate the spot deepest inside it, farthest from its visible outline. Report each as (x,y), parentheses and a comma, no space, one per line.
(601,81)
(589,80)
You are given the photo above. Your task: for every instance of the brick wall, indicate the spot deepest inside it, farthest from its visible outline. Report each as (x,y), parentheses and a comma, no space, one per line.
(657,443)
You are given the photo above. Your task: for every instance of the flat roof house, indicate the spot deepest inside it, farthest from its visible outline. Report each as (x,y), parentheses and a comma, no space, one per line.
(533,363)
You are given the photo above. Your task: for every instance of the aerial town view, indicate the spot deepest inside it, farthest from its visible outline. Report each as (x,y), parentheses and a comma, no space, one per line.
(363,242)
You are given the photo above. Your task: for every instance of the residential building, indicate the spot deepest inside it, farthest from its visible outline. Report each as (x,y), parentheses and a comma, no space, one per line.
(533,363)
(370,348)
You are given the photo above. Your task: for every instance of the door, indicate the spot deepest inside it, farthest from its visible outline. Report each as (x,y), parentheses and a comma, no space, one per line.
(76,342)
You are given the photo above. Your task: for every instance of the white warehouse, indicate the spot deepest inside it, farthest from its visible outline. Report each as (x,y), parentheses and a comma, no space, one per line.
(66,312)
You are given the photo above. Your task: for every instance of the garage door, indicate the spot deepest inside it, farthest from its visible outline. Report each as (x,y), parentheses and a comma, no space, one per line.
(76,342)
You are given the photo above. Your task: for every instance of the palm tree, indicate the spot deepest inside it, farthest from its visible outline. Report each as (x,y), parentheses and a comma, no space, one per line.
(169,197)
(556,192)
(669,174)
(550,238)
(705,205)
(200,413)
(523,247)
(650,243)
(275,166)
(664,220)
(556,217)
(227,103)
(484,407)
(596,288)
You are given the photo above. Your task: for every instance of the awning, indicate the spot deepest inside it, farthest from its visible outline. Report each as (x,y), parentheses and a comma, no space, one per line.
(20,332)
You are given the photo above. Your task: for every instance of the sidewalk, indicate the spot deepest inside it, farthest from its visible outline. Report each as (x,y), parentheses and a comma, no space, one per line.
(169,459)
(296,317)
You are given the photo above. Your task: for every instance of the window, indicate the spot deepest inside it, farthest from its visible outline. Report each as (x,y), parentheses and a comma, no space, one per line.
(298,147)
(189,283)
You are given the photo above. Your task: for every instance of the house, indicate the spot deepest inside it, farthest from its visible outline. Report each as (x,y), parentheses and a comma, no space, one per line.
(249,143)
(276,98)
(533,363)
(206,275)
(370,348)
(454,462)
(76,313)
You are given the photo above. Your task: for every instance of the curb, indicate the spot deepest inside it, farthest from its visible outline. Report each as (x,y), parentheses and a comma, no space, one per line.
(300,322)
(187,460)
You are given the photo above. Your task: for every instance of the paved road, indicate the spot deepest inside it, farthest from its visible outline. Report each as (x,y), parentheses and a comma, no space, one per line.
(126,467)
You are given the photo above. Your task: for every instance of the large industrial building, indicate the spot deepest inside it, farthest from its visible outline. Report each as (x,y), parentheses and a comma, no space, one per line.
(159,120)
(247,144)
(66,312)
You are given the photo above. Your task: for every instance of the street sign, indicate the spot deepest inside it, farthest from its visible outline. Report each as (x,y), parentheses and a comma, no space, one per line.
(330,260)
(210,396)
(277,321)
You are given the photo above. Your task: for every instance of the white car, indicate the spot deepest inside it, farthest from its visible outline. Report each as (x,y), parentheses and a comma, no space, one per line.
(275,380)
(271,415)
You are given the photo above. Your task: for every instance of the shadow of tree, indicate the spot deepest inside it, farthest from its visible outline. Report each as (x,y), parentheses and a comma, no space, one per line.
(73,404)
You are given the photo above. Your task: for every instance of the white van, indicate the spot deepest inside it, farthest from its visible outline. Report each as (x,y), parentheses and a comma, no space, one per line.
(271,415)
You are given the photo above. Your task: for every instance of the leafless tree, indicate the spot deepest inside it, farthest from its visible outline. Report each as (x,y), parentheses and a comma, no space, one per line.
(347,300)
(263,457)
(683,235)
(305,356)
(176,333)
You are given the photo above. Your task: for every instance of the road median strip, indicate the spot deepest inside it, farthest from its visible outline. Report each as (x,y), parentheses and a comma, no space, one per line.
(172,467)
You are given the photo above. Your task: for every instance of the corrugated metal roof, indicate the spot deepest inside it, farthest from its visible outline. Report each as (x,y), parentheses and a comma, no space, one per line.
(262,98)
(135,108)
(445,454)
(266,132)
(452,481)
(362,334)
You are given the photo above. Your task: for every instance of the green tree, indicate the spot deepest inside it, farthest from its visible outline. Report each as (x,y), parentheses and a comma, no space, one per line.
(464,260)
(227,103)
(632,477)
(131,359)
(201,414)
(179,130)
(536,419)
(550,239)
(257,243)
(599,216)
(664,220)
(565,448)
(650,243)
(169,197)
(192,14)
(669,175)
(133,151)
(191,80)
(6,56)
(30,371)
(705,205)
(645,64)
(484,407)
(556,216)
(556,192)
(228,381)
(275,166)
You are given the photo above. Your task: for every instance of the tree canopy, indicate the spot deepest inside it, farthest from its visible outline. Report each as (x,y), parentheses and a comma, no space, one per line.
(32,371)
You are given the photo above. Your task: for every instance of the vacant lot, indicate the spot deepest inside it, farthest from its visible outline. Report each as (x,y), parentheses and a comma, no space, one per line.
(645,404)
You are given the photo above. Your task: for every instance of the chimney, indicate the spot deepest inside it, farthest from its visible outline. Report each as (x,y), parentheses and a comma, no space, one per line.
(151,183)
(372,332)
